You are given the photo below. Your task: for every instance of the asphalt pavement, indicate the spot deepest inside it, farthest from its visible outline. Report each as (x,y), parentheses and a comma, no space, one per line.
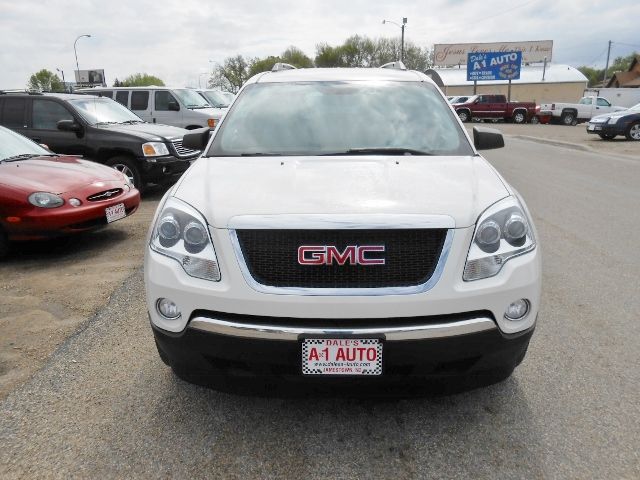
(105,406)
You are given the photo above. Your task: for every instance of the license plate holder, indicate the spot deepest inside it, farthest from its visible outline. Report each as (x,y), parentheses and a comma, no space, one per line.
(115,212)
(341,356)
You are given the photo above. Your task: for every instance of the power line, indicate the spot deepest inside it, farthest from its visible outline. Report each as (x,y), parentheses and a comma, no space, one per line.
(626,44)
(505,11)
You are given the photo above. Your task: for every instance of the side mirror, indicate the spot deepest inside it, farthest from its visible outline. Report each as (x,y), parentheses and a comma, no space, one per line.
(68,126)
(173,107)
(196,139)
(487,138)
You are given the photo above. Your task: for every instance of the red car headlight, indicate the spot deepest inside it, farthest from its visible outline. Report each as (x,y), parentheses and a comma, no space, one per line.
(45,200)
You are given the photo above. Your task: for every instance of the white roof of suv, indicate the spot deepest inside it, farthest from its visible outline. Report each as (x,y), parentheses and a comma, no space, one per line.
(339,74)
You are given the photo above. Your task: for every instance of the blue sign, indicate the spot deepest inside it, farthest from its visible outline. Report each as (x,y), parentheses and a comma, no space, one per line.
(493,66)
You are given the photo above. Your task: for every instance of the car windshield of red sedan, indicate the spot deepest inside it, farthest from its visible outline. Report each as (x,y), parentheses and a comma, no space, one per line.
(104,111)
(16,147)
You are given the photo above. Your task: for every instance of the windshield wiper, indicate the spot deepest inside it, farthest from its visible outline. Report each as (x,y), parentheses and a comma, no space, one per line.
(381,151)
(24,156)
(261,154)
(106,123)
(131,122)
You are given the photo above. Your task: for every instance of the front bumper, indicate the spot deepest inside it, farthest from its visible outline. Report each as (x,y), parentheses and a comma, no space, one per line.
(41,223)
(606,129)
(217,346)
(164,169)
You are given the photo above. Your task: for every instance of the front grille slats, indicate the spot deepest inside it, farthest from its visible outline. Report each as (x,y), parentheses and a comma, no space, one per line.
(182,151)
(411,256)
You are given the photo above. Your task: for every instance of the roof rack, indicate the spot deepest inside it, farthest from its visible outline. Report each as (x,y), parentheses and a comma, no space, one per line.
(282,66)
(396,65)
(19,91)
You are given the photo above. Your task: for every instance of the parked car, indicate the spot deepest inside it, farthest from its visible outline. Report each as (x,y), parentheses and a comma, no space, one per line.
(321,247)
(624,122)
(584,110)
(43,194)
(101,130)
(215,98)
(495,107)
(179,107)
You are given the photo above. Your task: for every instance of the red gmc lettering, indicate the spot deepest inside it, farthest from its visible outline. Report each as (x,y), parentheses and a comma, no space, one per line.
(328,254)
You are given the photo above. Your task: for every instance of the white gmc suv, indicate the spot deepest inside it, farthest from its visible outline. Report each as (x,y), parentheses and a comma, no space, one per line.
(341,227)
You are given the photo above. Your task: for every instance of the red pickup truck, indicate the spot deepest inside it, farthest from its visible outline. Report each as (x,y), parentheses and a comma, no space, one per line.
(495,107)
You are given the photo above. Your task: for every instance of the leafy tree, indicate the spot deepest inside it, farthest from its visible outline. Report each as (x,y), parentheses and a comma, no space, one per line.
(619,64)
(230,76)
(328,56)
(141,80)
(45,81)
(263,65)
(296,57)
(117,83)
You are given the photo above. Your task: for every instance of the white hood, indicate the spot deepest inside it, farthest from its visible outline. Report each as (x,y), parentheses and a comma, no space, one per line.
(221,188)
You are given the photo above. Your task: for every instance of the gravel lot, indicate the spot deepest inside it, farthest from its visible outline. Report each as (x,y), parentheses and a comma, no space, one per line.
(105,406)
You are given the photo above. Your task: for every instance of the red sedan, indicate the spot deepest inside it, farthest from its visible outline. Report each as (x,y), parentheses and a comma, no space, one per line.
(43,194)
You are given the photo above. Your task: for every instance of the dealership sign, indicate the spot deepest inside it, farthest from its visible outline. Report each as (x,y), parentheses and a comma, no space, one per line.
(449,54)
(90,77)
(493,66)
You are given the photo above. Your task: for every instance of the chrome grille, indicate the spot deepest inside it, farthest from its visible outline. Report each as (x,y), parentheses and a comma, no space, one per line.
(105,195)
(182,151)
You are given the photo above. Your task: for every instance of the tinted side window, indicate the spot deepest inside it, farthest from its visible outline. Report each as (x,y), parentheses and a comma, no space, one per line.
(139,100)
(162,98)
(106,94)
(13,113)
(122,96)
(46,114)
(603,103)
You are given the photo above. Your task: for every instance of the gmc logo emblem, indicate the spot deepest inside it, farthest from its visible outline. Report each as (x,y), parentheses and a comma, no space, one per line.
(328,254)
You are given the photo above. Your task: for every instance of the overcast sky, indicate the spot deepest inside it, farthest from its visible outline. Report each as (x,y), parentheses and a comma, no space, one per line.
(180,39)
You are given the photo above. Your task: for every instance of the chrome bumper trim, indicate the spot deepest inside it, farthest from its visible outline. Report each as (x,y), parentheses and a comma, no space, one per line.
(280,332)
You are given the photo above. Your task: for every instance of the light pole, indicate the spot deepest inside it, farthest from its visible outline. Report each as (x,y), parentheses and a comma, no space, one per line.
(404,22)
(64,85)
(76,52)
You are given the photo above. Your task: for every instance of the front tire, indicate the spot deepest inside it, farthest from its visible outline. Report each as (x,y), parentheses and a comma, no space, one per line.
(127,166)
(464,116)
(633,132)
(4,243)
(535,120)
(606,136)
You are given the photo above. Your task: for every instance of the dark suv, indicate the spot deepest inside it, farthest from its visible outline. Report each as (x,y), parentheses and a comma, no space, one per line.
(99,129)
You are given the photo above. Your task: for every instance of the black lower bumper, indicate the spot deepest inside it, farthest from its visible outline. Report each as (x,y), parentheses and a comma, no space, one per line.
(440,364)
(605,129)
(165,169)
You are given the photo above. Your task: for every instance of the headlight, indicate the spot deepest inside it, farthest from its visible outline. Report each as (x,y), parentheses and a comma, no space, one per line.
(502,232)
(614,119)
(180,233)
(154,149)
(45,200)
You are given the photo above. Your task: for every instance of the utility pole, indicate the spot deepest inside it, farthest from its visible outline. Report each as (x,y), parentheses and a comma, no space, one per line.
(404,22)
(607,67)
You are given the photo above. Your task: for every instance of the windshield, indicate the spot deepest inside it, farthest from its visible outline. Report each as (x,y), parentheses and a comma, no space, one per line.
(100,110)
(316,118)
(636,108)
(215,99)
(13,145)
(190,98)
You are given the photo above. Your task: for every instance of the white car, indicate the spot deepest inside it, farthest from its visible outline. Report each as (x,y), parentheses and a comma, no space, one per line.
(340,226)
(584,110)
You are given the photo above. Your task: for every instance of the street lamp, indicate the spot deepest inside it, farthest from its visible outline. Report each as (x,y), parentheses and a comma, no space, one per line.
(404,22)
(76,52)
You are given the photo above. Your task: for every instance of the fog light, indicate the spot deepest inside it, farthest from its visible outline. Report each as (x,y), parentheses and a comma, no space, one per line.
(517,310)
(75,202)
(167,309)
